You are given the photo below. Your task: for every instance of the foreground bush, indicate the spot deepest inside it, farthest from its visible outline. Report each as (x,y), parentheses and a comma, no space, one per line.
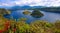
(20,26)
(57,26)
(41,27)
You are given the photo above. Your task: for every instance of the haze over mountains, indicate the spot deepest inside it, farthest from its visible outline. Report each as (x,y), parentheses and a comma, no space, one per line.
(42,8)
(25,7)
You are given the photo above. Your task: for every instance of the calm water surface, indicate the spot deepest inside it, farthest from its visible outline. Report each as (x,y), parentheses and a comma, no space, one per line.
(48,16)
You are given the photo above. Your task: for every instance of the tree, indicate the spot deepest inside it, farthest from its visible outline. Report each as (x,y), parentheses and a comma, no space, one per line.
(36,14)
(4,11)
(26,12)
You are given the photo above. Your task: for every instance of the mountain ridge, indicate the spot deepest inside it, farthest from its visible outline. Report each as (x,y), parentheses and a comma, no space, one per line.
(42,8)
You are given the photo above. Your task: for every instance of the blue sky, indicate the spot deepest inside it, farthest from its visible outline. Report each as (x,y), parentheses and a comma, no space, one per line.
(47,3)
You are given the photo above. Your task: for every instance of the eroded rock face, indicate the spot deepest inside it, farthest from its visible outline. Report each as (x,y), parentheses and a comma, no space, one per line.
(36,14)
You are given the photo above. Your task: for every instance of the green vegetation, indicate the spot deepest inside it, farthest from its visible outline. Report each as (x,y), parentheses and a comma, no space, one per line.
(26,12)
(20,26)
(4,11)
(36,14)
(38,26)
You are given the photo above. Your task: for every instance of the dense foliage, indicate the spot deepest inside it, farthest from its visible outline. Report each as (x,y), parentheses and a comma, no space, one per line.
(36,14)
(20,26)
(38,26)
(4,11)
(26,12)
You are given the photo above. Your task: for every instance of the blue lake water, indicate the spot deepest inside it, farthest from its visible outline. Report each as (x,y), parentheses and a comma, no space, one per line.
(48,16)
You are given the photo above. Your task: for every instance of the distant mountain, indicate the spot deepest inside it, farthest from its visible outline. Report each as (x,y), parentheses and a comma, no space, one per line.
(6,7)
(42,8)
(14,8)
(38,7)
(19,8)
(51,9)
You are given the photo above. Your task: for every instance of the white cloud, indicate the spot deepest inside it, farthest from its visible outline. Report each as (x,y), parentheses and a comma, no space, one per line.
(31,2)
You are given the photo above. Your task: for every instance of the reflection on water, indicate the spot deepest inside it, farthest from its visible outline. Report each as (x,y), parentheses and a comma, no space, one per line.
(48,16)
(51,16)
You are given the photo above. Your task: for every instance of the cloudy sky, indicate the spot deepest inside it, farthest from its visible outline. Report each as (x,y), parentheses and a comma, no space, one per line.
(47,3)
